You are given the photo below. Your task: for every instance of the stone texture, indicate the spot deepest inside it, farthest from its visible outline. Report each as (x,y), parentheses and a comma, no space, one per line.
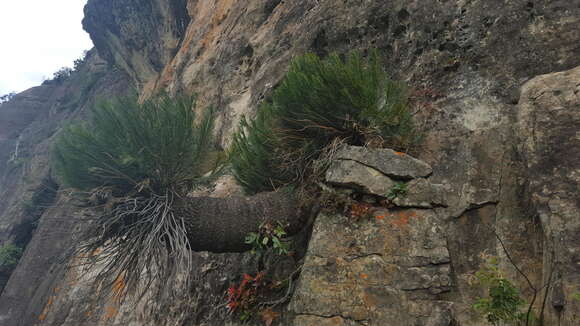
(347,173)
(390,270)
(393,164)
(31,212)
(421,193)
(368,178)
(123,33)
(549,127)
(465,62)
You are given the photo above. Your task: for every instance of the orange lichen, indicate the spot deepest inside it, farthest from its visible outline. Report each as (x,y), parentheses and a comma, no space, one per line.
(364,276)
(379,217)
(118,288)
(400,153)
(403,218)
(46,308)
(111,312)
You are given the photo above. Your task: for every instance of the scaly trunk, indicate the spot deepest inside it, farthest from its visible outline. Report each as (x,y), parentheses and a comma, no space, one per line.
(221,224)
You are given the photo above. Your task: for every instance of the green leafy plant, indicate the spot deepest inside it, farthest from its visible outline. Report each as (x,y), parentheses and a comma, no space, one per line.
(9,255)
(130,163)
(503,304)
(397,191)
(148,148)
(319,101)
(270,236)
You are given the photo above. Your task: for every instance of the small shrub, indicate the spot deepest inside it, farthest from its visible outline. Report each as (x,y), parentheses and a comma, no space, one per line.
(503,303)
(6,97)
(9,255)
(319,101)
(397,191)
(359,210)
(62,74)
(269,237)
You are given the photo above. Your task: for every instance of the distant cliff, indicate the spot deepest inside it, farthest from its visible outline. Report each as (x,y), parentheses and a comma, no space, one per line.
(495,84)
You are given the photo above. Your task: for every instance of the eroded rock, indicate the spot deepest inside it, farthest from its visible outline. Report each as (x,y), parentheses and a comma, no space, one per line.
(396,165)
(378,272)
(422,193)
(351,174)
(549,127)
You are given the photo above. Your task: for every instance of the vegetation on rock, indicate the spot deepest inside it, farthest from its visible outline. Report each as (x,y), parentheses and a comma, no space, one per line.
(319,101)
(503,304)
(9,255)
(133,166)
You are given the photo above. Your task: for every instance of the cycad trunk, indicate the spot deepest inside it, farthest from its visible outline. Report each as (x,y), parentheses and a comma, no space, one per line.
(221,224)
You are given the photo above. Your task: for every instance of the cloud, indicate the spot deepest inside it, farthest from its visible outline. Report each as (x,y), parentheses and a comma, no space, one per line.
(38,37)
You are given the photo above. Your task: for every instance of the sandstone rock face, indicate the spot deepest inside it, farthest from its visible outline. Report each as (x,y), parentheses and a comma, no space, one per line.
(549,127)
(31,214)
(393,164)
(233,52)
(393,269)
(138,36)
(386,173)
(500,137)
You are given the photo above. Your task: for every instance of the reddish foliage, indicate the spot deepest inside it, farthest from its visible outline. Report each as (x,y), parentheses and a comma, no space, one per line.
(245,294)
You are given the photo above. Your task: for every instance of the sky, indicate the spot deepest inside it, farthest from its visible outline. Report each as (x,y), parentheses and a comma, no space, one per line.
(37,38)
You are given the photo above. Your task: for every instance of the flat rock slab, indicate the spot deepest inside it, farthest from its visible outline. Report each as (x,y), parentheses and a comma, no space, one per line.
(347,173)
(420,192)
(396,165)
(423,194)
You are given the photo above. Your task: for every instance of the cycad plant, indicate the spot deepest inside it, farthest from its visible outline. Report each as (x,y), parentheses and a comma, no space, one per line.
(319,101)
(131,162)
(129,148)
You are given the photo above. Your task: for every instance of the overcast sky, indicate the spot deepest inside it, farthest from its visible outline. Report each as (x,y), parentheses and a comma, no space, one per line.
(37,37)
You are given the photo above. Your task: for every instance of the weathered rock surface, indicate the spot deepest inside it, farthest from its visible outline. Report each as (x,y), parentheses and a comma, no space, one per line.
(348,173)
(396,165)
(422,193)
(465,62)
(138,36)
(393,269)
(549,127)
(31,214)
(366,170)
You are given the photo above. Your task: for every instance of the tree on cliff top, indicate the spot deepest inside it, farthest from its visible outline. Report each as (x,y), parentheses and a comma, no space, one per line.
(134,164)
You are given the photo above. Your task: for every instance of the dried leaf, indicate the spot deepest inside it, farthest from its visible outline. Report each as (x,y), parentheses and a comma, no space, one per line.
(268,316)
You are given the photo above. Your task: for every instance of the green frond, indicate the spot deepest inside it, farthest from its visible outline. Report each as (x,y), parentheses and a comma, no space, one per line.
(130,147)
(317,101)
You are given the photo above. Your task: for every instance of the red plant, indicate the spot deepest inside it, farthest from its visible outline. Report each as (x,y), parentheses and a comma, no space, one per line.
(245,294)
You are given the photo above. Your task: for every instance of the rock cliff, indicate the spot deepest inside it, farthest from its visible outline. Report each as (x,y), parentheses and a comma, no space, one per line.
(496,87)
